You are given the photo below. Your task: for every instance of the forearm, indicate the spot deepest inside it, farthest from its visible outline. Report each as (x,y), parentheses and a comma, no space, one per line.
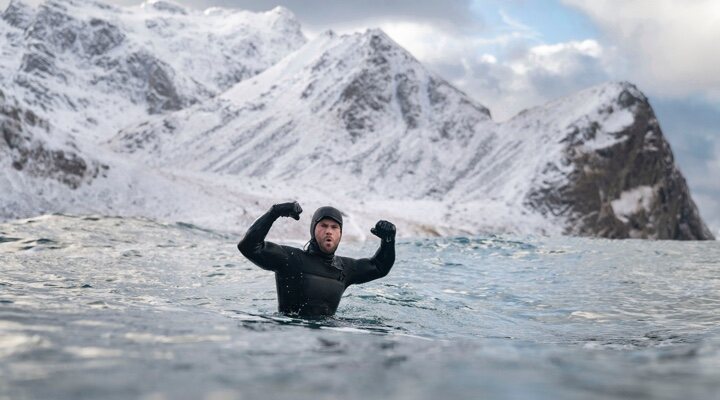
(255,237)
(384,258)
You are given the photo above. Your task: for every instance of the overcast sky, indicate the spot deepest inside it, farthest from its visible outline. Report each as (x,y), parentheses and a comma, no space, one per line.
(514,54)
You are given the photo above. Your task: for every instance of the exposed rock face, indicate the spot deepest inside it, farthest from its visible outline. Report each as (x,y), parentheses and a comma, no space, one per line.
(54,33)
(18,14)
(630,188)
(156,79)
(32,156)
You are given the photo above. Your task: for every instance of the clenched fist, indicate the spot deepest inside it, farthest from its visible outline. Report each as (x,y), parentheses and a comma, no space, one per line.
(384,230)
(288,210)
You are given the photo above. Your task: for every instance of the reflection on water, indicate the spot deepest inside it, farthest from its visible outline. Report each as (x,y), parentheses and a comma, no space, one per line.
(95,307)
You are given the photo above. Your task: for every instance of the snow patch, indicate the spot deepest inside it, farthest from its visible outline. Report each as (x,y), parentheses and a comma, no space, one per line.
(618,120)
(633,201)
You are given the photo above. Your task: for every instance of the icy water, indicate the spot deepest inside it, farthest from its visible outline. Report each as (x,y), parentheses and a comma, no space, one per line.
(117,308)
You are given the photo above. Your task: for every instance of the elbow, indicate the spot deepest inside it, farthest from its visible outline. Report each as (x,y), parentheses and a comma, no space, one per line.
(388,266)
(383,269)
(244,248)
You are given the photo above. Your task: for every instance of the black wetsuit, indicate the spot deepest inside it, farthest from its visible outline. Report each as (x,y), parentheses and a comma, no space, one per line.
(310,282)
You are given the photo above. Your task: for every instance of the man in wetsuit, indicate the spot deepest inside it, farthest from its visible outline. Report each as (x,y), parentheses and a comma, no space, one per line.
(310,282)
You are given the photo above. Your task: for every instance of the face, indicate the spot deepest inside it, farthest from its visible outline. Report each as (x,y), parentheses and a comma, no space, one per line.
(328,234)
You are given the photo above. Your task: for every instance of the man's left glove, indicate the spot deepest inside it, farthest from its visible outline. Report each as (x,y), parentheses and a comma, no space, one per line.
(384,230)
(291,210)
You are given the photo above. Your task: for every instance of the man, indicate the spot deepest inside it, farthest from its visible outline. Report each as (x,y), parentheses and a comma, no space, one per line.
(310,282)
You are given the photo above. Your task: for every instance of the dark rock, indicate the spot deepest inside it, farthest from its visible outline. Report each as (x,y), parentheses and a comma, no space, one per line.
(18,14)
(365,95)
(33,157)
(154,78)
(406,92)
(53,26)
(99,37)
(36,63)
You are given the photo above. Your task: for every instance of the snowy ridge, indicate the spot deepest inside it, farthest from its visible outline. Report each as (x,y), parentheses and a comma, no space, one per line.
(210,117)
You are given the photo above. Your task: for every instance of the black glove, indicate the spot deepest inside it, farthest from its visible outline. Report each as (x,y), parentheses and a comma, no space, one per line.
(384,230)
(287,210)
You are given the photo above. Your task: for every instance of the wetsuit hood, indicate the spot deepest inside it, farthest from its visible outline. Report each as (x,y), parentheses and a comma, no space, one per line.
(320,214)
(325,212)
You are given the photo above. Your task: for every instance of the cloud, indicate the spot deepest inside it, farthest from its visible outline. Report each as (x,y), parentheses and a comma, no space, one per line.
(516,25)
(669,45)
(524,76)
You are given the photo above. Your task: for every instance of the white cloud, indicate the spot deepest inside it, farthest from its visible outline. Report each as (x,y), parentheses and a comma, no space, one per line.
(558,59)
(669,45)
(542,73)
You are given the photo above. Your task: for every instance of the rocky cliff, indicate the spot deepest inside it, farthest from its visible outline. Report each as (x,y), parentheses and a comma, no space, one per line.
(619,183)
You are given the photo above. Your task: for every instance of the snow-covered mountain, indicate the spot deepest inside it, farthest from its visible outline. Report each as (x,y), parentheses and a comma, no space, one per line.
(356,112)
(360,115)
(74,72)
(353,120)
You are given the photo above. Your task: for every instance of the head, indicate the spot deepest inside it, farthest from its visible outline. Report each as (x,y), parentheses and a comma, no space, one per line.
(326,228)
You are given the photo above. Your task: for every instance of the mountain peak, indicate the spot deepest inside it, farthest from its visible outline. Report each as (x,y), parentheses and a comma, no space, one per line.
(377,34)
(379,41)
(284,19)
(623,93)
(629,94)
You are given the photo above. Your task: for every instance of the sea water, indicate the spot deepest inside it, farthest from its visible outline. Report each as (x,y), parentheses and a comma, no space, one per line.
(114,308)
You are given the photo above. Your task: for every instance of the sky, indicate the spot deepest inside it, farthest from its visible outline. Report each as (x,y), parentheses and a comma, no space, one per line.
(513,54)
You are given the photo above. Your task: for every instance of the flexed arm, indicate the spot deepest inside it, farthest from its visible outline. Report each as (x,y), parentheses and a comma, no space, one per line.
(268,255)
(368,269)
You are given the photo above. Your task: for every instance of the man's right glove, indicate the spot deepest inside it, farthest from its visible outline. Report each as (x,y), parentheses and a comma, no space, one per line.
(384,230)
(287,210)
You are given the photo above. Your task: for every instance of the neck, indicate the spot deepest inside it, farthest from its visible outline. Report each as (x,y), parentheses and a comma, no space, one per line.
(314,248)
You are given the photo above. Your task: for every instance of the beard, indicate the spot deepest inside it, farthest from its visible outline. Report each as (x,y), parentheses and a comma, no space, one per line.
(328,246)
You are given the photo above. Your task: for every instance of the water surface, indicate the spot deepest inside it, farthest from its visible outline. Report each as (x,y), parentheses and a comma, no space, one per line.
(99,307)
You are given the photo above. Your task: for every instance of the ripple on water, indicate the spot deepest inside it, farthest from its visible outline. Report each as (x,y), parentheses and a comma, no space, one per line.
(6,239)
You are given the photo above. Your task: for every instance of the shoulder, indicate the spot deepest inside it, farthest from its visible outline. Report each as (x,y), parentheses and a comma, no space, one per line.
(292,251)
(349,262)
(346,260)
